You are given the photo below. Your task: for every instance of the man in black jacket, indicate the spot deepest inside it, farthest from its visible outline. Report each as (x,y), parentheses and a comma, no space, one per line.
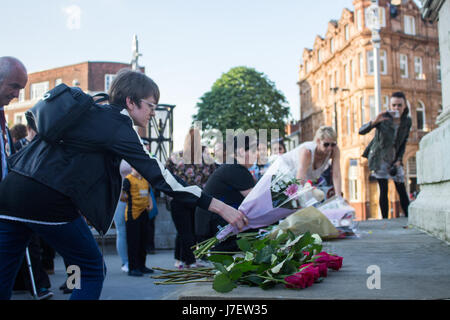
(51,185)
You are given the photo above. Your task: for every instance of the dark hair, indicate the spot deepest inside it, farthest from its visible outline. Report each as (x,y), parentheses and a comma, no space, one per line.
(401,95)
(133,84)
(18,131)
(247,142)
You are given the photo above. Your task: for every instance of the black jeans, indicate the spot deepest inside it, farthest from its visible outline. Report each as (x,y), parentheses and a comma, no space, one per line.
(183,218)
(41,279)
(137,240)
(384,204)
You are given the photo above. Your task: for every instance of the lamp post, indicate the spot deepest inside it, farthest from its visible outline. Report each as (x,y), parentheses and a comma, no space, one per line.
(374,24)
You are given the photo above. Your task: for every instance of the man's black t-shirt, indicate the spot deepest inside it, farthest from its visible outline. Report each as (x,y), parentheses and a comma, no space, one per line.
(225,184)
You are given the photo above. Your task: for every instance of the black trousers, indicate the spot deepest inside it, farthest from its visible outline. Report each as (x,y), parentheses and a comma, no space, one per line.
(183,218)
(384,202)
(151,234)
(41,279)
(137,241)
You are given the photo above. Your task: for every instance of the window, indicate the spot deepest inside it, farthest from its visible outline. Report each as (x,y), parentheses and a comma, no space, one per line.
(306,67)
(403,65)
(353,180)
(438,71)
(363,110)
(37,90)
(420,114)
(349,125)
(372,107)
(418,68)
(409,25)
(351,70)
(21,95)
(58,82)
(319,56)
(359,20)
(383,62)
(331,45)
(361,64)
(19,118)
(330,81)
(347,32)
(346,75)
(370,65)
(385,105)
(108,80)
(370,62)
(382,15)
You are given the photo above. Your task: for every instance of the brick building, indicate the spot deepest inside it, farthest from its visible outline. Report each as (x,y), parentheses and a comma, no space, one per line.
(91,76)
(337,89)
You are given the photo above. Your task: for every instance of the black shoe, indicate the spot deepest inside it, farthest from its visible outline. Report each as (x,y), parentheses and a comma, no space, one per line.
(146,270)
(63,286)
(135,273)
(44,294)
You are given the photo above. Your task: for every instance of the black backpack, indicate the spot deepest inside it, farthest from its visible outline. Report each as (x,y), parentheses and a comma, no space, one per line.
(60,108)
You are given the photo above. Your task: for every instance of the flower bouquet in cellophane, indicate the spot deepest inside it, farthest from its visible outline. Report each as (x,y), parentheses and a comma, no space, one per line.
(276,195)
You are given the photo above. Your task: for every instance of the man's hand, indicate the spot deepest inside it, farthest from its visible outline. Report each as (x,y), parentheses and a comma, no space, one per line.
(380,118)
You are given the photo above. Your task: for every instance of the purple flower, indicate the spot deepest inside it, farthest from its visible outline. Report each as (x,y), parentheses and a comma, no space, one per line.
(291,190)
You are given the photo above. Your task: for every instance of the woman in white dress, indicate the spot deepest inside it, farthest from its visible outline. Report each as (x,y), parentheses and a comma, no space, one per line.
(312,158)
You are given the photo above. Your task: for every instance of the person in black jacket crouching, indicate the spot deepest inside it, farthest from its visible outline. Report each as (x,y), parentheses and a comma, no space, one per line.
(51,186)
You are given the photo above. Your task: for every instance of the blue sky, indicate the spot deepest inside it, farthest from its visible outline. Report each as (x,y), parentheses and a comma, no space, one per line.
(186,45)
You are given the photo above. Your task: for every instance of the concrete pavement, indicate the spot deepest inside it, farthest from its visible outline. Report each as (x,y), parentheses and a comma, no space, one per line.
(412,265)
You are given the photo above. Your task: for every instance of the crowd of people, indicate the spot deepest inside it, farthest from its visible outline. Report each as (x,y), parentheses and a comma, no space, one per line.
(50,192)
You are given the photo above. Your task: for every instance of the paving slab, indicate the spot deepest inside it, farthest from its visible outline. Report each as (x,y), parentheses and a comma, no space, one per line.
(412,265)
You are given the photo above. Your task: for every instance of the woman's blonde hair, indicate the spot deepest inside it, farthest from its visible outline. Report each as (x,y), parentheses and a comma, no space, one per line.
(325,132)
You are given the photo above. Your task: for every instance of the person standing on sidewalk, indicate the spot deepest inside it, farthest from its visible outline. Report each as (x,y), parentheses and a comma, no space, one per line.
(137,196)
(63,185)
(385,151)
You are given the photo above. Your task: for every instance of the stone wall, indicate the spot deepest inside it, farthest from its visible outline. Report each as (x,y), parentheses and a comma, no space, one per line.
(431,210)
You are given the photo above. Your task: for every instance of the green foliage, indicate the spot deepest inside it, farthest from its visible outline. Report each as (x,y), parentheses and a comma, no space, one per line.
(265,261)
(243,98)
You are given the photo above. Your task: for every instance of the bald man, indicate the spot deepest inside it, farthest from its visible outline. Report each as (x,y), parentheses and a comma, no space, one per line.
(13,78)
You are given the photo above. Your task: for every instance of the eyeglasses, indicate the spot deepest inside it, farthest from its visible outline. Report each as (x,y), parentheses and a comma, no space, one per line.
(327,144)
(151,105)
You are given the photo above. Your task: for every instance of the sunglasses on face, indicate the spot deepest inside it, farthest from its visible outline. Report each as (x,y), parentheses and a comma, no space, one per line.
(327,144)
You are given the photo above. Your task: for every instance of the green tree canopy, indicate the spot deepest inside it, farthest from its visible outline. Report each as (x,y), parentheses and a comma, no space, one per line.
(243,98)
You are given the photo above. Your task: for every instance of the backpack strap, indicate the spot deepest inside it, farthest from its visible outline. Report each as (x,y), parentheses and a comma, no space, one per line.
(101,97)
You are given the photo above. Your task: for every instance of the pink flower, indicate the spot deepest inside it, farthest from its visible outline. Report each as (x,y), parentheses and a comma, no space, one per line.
(291,190)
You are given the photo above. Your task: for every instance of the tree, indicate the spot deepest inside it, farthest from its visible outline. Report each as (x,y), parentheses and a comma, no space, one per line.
(243,98)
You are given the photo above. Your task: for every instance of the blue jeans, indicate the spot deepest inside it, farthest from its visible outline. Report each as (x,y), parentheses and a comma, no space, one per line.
(121,232)
(73,241)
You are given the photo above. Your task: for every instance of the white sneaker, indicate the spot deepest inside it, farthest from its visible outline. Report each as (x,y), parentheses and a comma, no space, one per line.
(124,268)
(178,264)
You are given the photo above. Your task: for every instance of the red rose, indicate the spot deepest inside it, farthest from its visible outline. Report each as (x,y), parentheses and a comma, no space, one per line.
(335,262)
(295,282)
(310,270)
(322,257)
(323,269)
